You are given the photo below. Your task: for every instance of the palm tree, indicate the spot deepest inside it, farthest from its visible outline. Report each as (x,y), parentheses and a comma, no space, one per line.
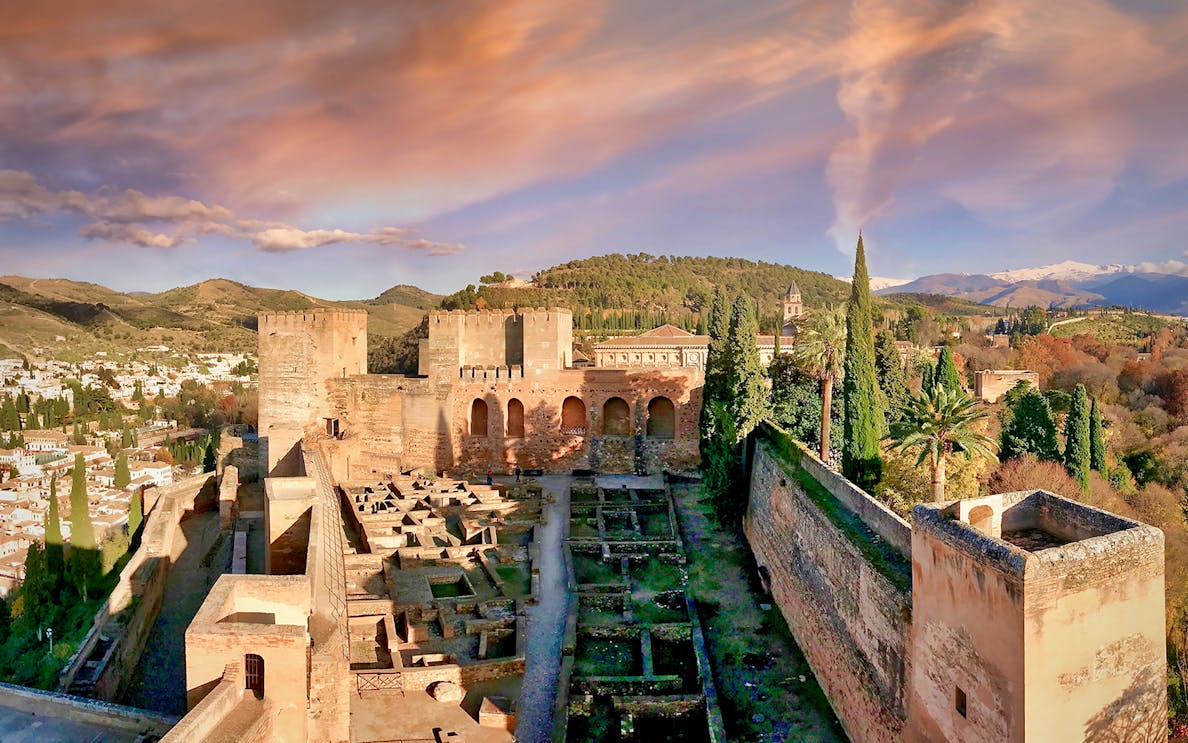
(937,424)
(819,352)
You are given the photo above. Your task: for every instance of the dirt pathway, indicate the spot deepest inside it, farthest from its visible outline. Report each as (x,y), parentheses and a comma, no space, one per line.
(765,686)
(159,683)
(546,622)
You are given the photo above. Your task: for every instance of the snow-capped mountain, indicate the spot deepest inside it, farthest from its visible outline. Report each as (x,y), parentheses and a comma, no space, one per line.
(878,282)
(1063,271)
(1155,287)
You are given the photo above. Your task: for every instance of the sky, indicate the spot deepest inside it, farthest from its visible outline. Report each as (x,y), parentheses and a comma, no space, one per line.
(342,148)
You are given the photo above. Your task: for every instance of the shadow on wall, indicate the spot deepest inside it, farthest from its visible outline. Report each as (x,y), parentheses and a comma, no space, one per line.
(1130,718)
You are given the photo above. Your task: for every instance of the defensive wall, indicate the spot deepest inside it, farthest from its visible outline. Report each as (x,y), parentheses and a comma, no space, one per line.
(1008,617)
(267,655)
(496,390)
(48,706)
(107,657)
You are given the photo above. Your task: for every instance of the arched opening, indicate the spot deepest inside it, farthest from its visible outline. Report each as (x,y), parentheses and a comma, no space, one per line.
(616,417)
(573,416)
(982,519)
(478,418)
(661,419)
(253,674)
(515,419)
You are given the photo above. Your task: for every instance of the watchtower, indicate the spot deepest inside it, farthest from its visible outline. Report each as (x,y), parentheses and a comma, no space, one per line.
(1035,618)
(300,351)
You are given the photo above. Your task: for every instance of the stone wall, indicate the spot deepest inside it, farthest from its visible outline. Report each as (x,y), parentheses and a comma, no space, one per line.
(125,720)
(989,385)
(128,615)
(388,422)
(848,605)
(299,352)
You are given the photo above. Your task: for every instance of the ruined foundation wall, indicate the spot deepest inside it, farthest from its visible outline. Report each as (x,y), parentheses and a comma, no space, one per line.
(851,620)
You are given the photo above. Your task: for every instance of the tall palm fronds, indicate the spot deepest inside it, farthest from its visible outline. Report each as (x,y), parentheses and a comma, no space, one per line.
(937,423)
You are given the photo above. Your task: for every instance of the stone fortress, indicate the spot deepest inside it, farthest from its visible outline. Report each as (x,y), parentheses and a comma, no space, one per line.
(496,389)
(1010,617)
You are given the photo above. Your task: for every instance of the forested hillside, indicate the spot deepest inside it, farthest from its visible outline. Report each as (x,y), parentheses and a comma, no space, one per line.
(631,292)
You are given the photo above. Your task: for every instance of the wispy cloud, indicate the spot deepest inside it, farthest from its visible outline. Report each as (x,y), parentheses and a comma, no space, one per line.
(133,218)
(1022,111)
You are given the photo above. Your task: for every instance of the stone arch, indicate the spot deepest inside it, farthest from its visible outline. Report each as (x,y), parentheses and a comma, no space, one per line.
(661,418)
(982,519)
(515,419)
(573,416)
(478,417)
(616,417)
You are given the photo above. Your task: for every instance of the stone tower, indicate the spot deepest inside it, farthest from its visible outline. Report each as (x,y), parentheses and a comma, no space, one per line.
(299,352)
(1053,631)
(793,309)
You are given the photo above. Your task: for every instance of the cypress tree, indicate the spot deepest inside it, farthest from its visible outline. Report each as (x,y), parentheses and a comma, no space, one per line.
(84,550)
(1030,430)
(122,476)
(135,511)
(927,377)
(746,391)
(715,364)
(889,368)
(1076,437)
(35,590)
(863,416)
(55,558)
(946,371)
(1097,451)
(713,389)
(209,461)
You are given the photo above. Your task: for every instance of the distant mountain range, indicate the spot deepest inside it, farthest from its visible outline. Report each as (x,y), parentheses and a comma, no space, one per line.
(1060,285)
(213,315)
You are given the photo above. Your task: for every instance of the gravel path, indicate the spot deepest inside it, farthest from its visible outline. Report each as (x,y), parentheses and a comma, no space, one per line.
(159,683)
(546,622)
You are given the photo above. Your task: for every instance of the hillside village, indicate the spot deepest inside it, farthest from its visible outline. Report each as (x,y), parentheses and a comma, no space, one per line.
(44,429)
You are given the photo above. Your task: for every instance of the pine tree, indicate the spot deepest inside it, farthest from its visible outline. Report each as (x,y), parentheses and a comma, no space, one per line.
(55,556)
(84,550)
(1097,450)
(863,417)
(1076,437)
(946,371)
(746,391)
(889,368)
(1030,430)
(122,476)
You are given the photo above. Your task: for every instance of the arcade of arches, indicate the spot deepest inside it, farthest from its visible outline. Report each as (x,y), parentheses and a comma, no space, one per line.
(616,418)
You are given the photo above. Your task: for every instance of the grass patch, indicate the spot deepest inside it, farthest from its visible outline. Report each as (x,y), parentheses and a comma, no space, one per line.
(589,569)
(598,657)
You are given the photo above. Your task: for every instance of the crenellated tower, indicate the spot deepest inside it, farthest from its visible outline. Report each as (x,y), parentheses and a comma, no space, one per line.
(300,351)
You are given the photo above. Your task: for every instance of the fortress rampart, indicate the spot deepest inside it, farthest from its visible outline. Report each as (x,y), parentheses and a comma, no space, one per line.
(1010,617)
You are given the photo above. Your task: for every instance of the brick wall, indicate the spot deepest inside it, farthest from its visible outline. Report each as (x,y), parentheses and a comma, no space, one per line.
(850,619)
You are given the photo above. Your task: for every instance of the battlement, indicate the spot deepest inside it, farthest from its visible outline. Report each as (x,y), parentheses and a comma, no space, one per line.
(1019,533)
(320,316)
